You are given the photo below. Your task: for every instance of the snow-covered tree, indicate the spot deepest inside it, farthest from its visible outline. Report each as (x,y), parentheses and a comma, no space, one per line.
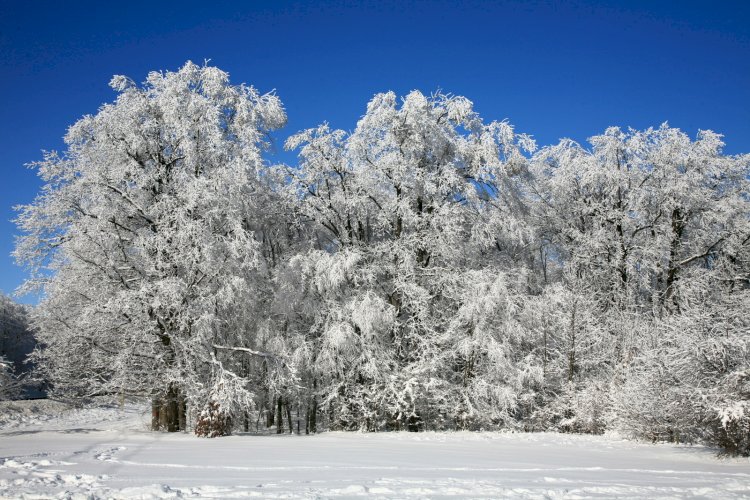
(10,387)
(655,225)
(145,227)
(395,205)
(641,211)
(427,270)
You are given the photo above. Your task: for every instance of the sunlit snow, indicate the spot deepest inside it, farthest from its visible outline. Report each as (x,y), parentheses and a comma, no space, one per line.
(48,450)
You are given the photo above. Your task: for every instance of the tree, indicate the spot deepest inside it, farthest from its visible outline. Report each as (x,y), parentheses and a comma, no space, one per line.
(653,226)
(145,227)
(396,209)
(10,387)
(427,269)
(16,343)
(641,211)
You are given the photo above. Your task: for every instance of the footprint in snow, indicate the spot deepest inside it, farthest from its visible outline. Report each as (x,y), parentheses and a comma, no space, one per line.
(107,455)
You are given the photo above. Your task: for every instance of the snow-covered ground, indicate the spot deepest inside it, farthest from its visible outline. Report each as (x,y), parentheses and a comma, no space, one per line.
(48,450)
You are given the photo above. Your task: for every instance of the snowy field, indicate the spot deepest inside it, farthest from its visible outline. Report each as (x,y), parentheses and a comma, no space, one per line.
(48,450)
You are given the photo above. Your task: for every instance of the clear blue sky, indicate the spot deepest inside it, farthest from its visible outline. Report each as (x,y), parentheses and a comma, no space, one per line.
(553,70)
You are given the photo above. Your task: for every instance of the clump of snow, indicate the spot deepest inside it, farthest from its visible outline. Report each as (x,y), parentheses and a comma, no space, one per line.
(733,413)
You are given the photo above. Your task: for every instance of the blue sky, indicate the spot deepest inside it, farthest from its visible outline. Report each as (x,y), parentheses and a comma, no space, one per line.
(554,70)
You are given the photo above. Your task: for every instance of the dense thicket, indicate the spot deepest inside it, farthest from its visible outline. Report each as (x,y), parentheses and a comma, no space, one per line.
(428,270)
(16,343)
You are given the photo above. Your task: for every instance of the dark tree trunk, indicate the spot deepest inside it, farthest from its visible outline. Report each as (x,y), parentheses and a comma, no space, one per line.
(572,366)
(279,416)
(163,415)
(289,418)
(172,410)
(182,412)
(678,227)
(168,412)
(312,414)
(269,411)
(155,414)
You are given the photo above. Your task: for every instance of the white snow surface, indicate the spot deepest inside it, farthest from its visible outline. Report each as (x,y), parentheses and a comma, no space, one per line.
(49,450)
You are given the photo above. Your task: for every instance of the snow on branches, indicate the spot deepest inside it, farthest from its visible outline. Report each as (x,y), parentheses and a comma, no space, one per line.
(426,270)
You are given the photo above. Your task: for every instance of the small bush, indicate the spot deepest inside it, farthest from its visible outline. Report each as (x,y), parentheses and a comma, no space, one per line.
(213,421)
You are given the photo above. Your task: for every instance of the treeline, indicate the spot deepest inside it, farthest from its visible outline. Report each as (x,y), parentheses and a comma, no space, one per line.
(429,270)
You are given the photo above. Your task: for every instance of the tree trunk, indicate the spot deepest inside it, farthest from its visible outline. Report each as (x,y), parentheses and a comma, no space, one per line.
(279,416)
(307,419)
(312,416)
(163,415)
(678,227)
(173,414)
(269,411)
(182,412)
(168,412)
(289,418)
(155,414)
(572,347)
(414,423)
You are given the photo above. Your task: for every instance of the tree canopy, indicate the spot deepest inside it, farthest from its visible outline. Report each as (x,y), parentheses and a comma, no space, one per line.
(427,270)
